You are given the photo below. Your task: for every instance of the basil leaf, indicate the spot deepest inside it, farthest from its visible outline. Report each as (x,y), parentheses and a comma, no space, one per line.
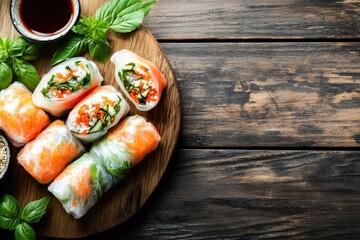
(105,12)
(147,6)
(119,15)
(24,231)
(9,206)
(8,223)
(92,28)
(31,52)
(113,10)
(5,43)
(6,76)
(34,210)
(128,22)
(26,74)
(3,55)
(75,46)
(4,46)
(82,27)
(17,47)
(132,7)
(100,50)
(126,6)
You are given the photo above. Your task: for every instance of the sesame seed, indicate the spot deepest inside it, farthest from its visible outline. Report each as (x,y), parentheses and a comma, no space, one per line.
(3,155)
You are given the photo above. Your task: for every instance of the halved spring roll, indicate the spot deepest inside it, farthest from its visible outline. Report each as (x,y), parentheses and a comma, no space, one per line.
(20,118)
(99,111)
(82,183)
(139,79)
(49,153)
(66,84)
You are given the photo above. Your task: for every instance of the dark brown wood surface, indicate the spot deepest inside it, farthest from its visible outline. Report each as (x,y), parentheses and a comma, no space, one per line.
(269,143)
(282,94)
(255,19)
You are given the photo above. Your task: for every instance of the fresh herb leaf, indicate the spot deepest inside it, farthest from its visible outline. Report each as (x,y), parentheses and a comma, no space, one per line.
(26,74)
(24,231)
(75,46)
(11,218)
(89,26)
(6,76)
(100,50)
(105,12)
(5,43)
(9,207)
(117,106)
(118,15)
(128,22)
(31,52)
(14,55)
(3,55)
(17,47)
(123,8)
(34,210)
(9,223)
(147,6)
(9,210)
(83,26)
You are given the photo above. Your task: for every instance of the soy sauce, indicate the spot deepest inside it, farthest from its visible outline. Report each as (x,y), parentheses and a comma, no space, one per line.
(46,17)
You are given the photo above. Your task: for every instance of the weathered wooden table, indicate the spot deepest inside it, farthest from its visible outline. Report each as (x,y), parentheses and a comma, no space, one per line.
(271,122)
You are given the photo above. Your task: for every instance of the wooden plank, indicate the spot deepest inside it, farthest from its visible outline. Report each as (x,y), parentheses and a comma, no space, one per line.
(232,194)
(268,94)
(244,19)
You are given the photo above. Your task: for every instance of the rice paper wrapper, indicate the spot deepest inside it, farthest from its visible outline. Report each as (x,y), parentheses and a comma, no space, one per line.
(121,60)
(80,185)
(92,117)
(126,145)
(20,118)
(49,153)
(66,84)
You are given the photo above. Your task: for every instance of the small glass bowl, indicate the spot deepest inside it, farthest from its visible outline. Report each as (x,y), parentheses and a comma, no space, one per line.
(20,27)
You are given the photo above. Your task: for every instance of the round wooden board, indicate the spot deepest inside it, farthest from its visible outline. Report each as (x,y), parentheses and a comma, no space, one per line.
(125,198)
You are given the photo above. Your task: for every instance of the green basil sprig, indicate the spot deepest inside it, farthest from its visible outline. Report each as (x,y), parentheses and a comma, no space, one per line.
(89,34)
(12,218)
(14,57)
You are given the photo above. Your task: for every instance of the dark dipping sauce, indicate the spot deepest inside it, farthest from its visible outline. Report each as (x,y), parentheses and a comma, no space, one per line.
(46,17)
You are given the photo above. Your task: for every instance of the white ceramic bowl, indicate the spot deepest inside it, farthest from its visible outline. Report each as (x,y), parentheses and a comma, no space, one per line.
(31,36)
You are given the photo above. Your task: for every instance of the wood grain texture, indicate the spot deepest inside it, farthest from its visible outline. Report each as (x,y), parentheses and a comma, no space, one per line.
(268,94)
(124,199)
(255,19)
(234,194)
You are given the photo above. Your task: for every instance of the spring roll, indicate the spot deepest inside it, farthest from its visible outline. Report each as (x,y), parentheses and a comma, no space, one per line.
(81,184)
(66,84)
(21,120)
(79,188)
(48,154)
(126,145)
(139,79)
(99,111)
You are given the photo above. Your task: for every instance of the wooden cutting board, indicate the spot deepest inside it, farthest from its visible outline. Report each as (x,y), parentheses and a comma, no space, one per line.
(126,198)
